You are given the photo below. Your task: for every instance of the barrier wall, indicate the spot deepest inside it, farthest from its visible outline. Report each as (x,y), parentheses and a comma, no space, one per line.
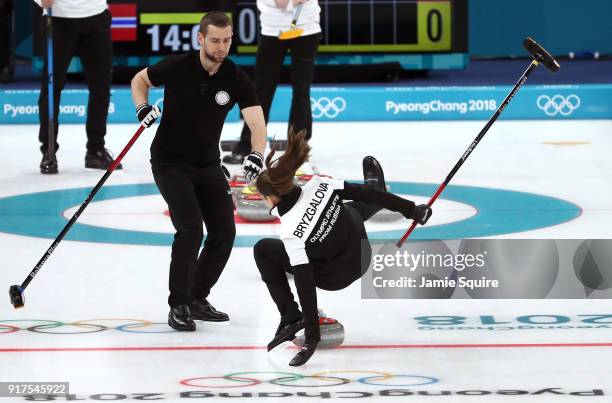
(497,28)
(361,104)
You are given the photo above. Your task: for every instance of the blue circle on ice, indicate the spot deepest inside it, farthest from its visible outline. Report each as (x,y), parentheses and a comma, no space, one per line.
(498,212)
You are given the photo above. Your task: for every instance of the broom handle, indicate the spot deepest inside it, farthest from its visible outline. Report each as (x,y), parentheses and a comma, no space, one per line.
(298,11)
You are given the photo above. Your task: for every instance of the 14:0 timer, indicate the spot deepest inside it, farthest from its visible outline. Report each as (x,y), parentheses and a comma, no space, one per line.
(176,38)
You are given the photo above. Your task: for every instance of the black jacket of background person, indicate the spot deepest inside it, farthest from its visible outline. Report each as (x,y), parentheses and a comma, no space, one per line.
(323,241)
(195,107)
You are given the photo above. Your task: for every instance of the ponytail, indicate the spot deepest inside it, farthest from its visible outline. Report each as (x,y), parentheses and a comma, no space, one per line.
(277,178)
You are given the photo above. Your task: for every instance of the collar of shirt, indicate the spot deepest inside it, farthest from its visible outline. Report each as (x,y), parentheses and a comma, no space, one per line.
(287,202)
(221,73)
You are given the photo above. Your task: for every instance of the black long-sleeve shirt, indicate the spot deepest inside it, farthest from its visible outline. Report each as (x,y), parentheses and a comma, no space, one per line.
(317,232)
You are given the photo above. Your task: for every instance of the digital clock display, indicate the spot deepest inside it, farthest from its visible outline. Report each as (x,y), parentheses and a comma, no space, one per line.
(173,38)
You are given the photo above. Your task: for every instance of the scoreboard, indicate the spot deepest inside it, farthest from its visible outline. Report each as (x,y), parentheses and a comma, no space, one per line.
(376,26)
(354,31)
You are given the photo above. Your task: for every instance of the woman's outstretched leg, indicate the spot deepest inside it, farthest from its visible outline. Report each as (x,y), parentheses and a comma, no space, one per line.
(374,177)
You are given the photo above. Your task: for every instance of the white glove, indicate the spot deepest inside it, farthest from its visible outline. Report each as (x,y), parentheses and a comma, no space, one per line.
(147,114)
(252,165)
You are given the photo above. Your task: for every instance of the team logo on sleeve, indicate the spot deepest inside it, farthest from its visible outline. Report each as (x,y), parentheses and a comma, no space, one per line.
(222,98)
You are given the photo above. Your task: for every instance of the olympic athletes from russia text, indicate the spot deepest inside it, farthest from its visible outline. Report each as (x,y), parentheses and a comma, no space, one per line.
(200,88)
(320,236)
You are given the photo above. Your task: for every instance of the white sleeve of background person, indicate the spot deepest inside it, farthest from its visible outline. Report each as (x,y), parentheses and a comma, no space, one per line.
(275,20)
(77,8)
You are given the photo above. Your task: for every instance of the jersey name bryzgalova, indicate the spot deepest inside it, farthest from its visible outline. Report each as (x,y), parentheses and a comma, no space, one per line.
(312,218)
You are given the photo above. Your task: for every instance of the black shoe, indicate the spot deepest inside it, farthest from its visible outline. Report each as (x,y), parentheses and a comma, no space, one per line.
(286,332)
(100,159)
(373,174)
(48,165)
(180,319)
(228,145)
(233,159)
(304,355)
(203,310)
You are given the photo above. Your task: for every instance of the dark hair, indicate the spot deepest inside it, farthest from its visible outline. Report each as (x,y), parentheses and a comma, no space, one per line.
(277,178)
(216,18)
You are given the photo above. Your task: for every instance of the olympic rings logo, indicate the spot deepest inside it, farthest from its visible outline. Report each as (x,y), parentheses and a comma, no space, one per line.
(558,104)
(329,108)
(318,380)
(83,326)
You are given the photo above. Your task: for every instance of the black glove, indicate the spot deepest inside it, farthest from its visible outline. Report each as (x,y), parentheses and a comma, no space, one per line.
(305,353)
(252,165)
(421,213)
(147,114)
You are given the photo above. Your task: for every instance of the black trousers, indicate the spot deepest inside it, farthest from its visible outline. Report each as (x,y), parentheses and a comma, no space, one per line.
(193,195)
(273,264)
(6,34)
(268,65)
(90,39)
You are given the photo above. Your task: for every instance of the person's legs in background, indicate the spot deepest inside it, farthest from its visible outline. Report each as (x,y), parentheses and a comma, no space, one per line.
(303,55)
(96,53)
(65,35)
(268,66)
(6,41)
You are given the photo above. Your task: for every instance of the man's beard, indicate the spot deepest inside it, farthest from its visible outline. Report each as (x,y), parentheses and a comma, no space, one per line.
(213,58)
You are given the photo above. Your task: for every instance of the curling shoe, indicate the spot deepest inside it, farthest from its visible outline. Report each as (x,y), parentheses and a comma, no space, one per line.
(203,310)
(373,174)
(48,165)
(180,319)
(286,332)
(304,355)
(100,159)
(233,158)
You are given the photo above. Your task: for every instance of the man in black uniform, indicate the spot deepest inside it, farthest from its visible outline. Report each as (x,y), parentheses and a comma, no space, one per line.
(200,89)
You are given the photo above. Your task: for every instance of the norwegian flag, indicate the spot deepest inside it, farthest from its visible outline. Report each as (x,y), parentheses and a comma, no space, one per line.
(123,26)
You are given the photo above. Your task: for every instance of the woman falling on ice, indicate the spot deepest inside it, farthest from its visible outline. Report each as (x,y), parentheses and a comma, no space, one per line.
(320,237)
